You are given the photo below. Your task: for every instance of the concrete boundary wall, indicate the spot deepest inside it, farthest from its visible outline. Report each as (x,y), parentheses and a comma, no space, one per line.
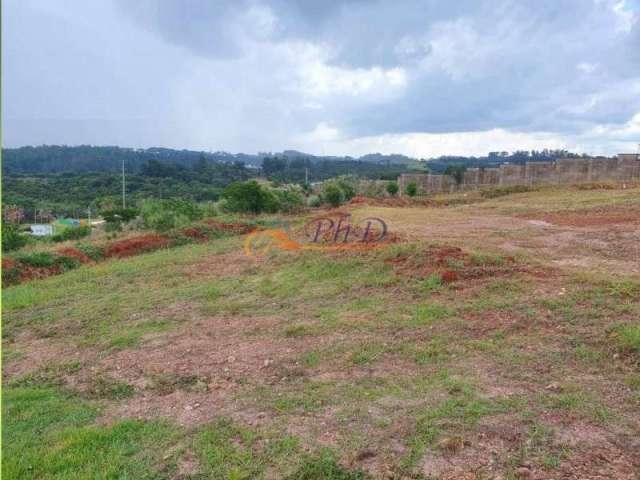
(625,167)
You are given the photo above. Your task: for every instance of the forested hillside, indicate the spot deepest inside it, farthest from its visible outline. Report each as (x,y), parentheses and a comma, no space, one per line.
(86,158)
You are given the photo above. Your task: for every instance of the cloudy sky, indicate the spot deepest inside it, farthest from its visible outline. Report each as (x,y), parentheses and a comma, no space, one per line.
(419,77)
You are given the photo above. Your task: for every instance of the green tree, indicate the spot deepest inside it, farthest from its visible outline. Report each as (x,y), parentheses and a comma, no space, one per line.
(411,189)
(12,239)
(333,195)
(392,188)
(249,197)
(164,215)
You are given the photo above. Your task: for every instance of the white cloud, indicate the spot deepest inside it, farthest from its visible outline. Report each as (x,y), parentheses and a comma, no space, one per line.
(586,67)
(322,133)
(320,79)
(603,139)
(625,15)
(425,145)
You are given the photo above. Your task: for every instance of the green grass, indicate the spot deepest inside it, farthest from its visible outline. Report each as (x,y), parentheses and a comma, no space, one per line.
(432,283)
(117,296)
(102,387)
(311,359)
(451,416)
(51,435)
(367,353)
(428,314)
(48,376)
(296,331)
(325,466)
(228,451)
(627,337)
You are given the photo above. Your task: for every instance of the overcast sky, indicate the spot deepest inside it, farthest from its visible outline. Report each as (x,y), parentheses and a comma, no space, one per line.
(423,78)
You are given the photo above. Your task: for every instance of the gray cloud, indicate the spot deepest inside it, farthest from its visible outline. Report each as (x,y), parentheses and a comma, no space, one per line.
(257,75)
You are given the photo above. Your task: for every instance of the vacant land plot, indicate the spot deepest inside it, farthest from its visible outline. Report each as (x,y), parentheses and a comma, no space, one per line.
(498,339)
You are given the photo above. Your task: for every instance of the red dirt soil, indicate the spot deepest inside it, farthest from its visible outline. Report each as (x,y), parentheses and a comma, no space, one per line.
(74,253)
(136,245)
(196,233)
(8,263)
(591,218)
(451,264)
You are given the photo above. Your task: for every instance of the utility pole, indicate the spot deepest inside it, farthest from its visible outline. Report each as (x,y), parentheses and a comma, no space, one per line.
(124,204)
(306,175)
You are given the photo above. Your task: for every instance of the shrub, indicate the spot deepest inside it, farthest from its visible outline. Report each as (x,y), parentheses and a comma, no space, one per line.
(67,262)
(46,259)
(37,259)
(164,215)
(249,197)
(12,239)
(289,200)
(411,189)
(333,195)
(72,233)
(306,188)
(94,252)
(314,201)
(392,188)
(210,209)
(348,189)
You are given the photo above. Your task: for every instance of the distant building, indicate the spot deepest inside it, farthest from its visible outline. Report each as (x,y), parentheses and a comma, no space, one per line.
(41,230)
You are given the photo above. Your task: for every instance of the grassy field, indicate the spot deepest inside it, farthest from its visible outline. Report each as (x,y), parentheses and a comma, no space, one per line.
(201,362)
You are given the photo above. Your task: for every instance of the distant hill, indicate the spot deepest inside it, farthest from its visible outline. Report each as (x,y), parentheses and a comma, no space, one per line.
(87,158)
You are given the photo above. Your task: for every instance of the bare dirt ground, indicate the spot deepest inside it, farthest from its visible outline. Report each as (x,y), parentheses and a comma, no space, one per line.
(505,367)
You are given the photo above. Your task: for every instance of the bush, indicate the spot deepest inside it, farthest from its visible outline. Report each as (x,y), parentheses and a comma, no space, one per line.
(411,189)
(210,209)
(249,197)
(164,215)
(12,239)
(392,188)
(333,195)
(37,259)
(289,200)
(314,201)
(72,233)
(347,188)
(46,259)
(94,252)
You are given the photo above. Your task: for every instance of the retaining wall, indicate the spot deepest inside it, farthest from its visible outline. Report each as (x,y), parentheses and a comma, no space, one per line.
(625,167)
